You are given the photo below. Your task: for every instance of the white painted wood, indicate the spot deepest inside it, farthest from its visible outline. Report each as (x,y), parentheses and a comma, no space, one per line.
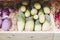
(26,36)
(56,36)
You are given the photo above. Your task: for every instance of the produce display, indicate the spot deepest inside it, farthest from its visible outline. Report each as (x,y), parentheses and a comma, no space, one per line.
(28,16)
(57,19)
(55,10)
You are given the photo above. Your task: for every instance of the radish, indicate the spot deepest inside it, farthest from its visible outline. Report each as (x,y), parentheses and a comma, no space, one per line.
(57,19)
(1,11)
(22,9)
(29,24)
(27,13)
(20,21)
(33,11)
(5,13)
(47,17)
(37,5)
(56,16)
(35,16)
(46,9)
(46,26)
(10,9)
(41,16)
(37,26)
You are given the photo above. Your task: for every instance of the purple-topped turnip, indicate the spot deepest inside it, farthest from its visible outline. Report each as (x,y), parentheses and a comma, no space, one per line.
(5,13)
(0,22)
(6,24)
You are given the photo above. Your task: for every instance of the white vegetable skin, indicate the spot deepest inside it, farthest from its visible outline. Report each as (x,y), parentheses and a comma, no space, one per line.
(33,11)
(46,26)
(22,9)
(14,25)
(37,26)
(35,16)
(20,25)
(20,21)
(4,16)
(12,16)
(27,13)
(48,17)
(29,25)
(46,10)
(41,17)
(37,5)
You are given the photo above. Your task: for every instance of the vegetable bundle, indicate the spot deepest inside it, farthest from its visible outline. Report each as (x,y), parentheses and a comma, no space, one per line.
(28,17)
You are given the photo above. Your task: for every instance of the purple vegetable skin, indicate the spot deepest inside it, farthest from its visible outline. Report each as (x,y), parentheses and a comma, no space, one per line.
(1,11)
(1,15)
(6,24)
(10,9)
(0,22)
(5,13)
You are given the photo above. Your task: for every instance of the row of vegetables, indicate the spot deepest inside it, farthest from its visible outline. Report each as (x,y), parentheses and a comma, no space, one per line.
(28,17)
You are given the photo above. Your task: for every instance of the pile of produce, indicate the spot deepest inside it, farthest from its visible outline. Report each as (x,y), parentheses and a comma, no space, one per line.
(27,17)
(55,7)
